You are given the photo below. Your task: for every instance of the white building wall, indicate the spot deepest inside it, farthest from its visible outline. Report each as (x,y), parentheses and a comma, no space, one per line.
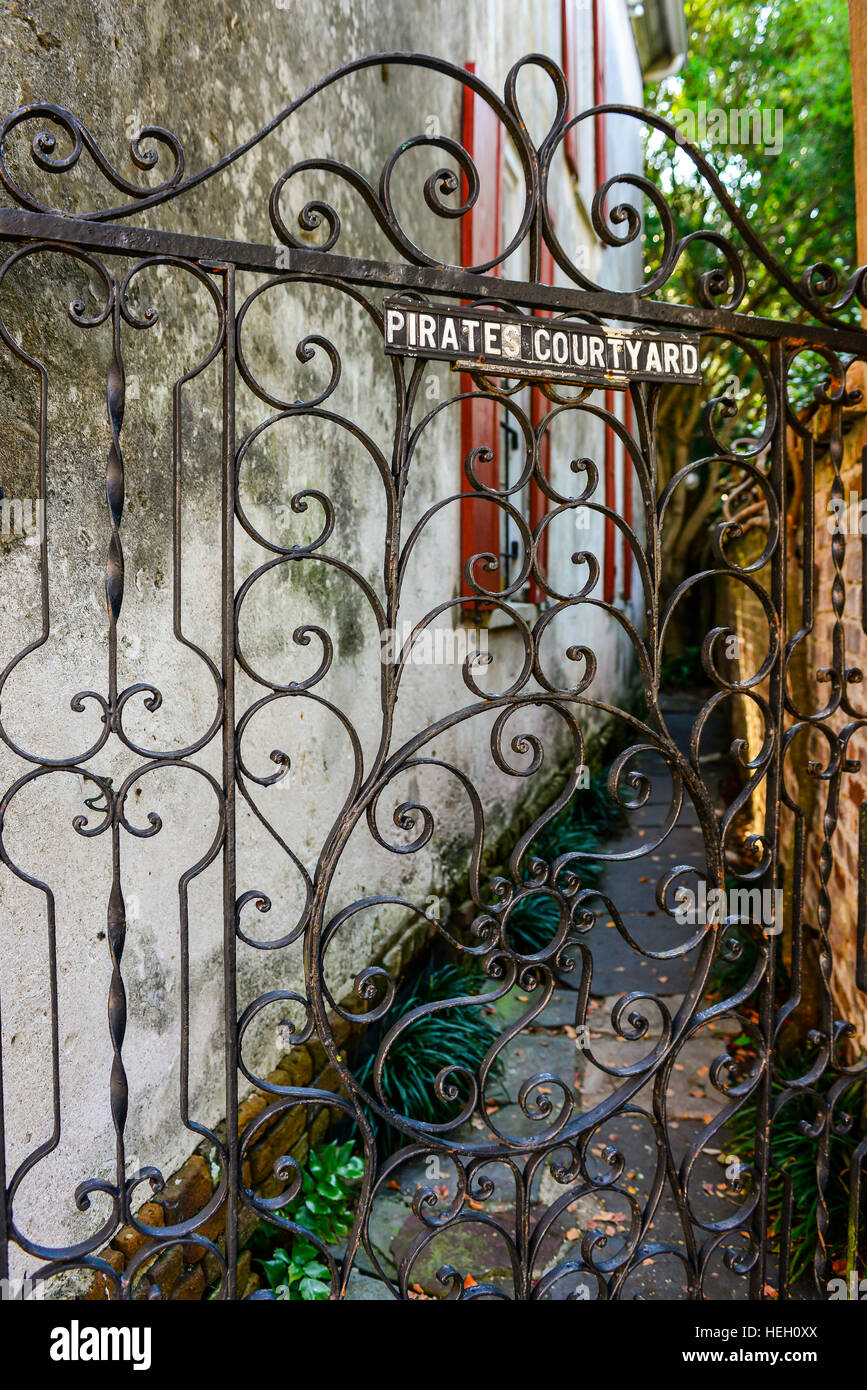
(215,73)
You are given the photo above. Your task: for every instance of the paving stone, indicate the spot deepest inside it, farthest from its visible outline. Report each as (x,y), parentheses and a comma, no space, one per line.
(365,1288)
(472,1247)
(618,967)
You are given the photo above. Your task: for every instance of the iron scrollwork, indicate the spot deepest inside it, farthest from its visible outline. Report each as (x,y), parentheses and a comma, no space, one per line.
(551,1134)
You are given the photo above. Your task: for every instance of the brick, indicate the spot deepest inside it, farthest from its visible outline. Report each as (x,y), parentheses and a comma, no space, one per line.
(128,1240)
(213,1228)
(295,1069)
(277,1141)
(187,1192)
(330,1080)
(249,1109)
(167,1269)
(320,1127)
(248,1222)
(190,1288)
(244,1270)
(102,1288)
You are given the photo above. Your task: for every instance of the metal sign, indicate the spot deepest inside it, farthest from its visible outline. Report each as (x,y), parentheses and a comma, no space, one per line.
(516,345)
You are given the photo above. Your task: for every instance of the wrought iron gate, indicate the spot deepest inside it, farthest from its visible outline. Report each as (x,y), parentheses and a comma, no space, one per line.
(553,1150)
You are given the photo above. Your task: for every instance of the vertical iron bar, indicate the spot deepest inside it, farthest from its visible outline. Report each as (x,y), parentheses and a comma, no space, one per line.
(229,885)
(4,1237)
(773,786)
(114,588)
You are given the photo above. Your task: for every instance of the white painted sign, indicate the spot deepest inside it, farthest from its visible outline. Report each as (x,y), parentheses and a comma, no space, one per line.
(479,340)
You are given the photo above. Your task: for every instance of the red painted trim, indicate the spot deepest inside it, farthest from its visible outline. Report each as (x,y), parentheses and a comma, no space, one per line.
(477,115)
(609,558)
(540,407)
(568,27)
(481,136)
(599,122)
(628,558)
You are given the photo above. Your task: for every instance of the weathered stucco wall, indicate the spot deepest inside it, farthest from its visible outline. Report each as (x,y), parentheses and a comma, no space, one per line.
(214,73)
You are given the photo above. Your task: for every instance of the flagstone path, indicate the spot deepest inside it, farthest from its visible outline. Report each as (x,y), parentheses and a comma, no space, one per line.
(477,1249)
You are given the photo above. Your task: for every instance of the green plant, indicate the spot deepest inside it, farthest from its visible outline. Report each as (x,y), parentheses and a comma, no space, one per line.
(793,1158)
(324,1204)
(457,1036)
(781,57)
(682,670)
(324,1207)
(299,1274)
(532,924)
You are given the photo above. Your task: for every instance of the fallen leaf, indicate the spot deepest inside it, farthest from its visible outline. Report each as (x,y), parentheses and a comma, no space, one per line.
(604,1215)
(395,1186)
(469,1282)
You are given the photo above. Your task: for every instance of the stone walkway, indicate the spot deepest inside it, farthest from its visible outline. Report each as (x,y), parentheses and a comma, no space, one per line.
(478,1250)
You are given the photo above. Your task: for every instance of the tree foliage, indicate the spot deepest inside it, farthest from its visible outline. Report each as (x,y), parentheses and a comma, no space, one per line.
(787,57)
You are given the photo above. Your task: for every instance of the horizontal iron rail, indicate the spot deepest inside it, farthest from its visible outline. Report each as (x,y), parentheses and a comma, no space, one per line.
(17,225)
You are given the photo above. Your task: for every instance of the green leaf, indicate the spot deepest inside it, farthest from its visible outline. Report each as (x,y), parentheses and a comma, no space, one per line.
(314,1290)
(303,1251)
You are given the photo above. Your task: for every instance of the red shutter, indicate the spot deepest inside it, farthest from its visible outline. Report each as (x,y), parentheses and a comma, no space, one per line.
(599,122)
(627,501)
(539,409)
(609,561)
(481,136)
(569,28)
